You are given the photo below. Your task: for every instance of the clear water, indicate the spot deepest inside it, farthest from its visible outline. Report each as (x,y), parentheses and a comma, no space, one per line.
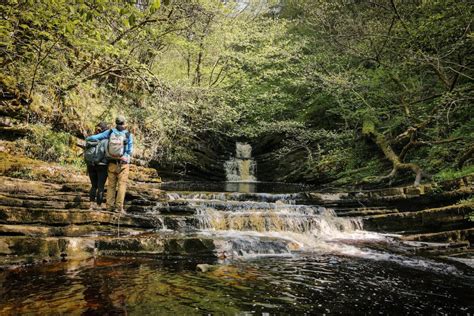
(244,187)
(306,283)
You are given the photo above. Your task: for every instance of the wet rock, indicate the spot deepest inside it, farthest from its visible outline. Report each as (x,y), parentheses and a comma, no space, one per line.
(38,249)
(445,236)
(157,245)
(130,245)
(430,220)
(20,215)
(363,211)
(429,248)
(195,246)
(390,192)
(204,267)
(414,191)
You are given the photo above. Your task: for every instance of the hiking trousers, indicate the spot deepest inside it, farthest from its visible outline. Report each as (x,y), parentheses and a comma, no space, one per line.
(117,186)
(98,176)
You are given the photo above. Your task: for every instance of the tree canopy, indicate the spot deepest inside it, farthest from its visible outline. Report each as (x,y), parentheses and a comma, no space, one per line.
(327,91)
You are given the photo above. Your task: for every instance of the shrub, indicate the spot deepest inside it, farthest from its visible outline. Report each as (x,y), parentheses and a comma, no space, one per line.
(45,144)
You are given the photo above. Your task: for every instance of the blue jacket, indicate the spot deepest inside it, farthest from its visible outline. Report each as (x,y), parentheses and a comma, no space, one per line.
(128,150)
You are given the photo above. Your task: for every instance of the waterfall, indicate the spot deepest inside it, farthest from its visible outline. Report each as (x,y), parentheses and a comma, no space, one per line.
(266,224)
(248,224)
(317,221)
(241,168)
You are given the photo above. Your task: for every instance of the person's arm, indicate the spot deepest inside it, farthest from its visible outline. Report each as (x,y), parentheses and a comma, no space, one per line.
(129,149)
(99,136)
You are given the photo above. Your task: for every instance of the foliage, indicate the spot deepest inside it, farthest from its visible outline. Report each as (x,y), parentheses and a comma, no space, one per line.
(44,144)
(450,174)
(347,89)
(396,72)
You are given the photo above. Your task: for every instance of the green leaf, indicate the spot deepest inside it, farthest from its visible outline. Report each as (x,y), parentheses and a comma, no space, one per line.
(155,5)
(126,23)
(124,11)
(70,28)
(132,19)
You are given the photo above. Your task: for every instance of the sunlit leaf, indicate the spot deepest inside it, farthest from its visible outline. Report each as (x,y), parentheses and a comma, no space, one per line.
(155,5)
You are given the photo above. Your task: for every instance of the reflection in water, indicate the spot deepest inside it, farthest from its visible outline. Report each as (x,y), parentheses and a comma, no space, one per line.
(244,187)
(267,187)
(306,283)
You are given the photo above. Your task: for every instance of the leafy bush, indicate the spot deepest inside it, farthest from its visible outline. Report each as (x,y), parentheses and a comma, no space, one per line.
(45,144)
(449,174)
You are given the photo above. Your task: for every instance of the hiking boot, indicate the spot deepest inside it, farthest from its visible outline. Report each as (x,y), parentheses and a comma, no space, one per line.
(120,210)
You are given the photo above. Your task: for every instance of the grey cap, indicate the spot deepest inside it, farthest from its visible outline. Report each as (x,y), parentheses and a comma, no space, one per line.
(120,120)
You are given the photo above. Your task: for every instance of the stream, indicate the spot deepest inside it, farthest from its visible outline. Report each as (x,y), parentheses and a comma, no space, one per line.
(281,257)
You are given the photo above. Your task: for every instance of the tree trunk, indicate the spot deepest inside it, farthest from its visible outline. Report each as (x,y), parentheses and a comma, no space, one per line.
(397,164)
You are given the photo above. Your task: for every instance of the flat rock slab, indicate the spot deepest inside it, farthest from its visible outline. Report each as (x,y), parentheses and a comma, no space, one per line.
(67,231)
(449,236)
(44,249)
(21,215)
(429,220)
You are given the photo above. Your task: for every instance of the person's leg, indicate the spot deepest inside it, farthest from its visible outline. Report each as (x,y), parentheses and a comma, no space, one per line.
(122,186)
(92,171)
(112,185)
(102,177)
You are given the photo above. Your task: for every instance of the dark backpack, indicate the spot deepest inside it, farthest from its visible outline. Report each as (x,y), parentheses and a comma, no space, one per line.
(93,153)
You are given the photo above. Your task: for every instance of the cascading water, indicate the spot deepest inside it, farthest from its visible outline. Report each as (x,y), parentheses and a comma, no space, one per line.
(261,223)
(320,264)
(241,168)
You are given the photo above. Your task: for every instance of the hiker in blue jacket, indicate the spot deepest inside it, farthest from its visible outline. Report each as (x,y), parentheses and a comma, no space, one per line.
(119,152)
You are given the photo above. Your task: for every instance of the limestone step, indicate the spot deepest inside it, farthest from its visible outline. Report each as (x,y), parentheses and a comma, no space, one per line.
(67,231)
(47,196)
(45,202)
(444,248)
(162,209)
(430,220)
(449,235)
(64,217)
(363,211)
(172,245)
(21,250)
(234,196)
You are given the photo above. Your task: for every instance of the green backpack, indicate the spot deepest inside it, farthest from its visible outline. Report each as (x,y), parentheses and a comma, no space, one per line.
(94,152)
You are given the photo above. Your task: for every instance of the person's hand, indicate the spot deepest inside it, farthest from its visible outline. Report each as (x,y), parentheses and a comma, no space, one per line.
(124,159)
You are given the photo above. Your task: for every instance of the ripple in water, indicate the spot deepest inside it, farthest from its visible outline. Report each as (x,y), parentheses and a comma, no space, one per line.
(306,283)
